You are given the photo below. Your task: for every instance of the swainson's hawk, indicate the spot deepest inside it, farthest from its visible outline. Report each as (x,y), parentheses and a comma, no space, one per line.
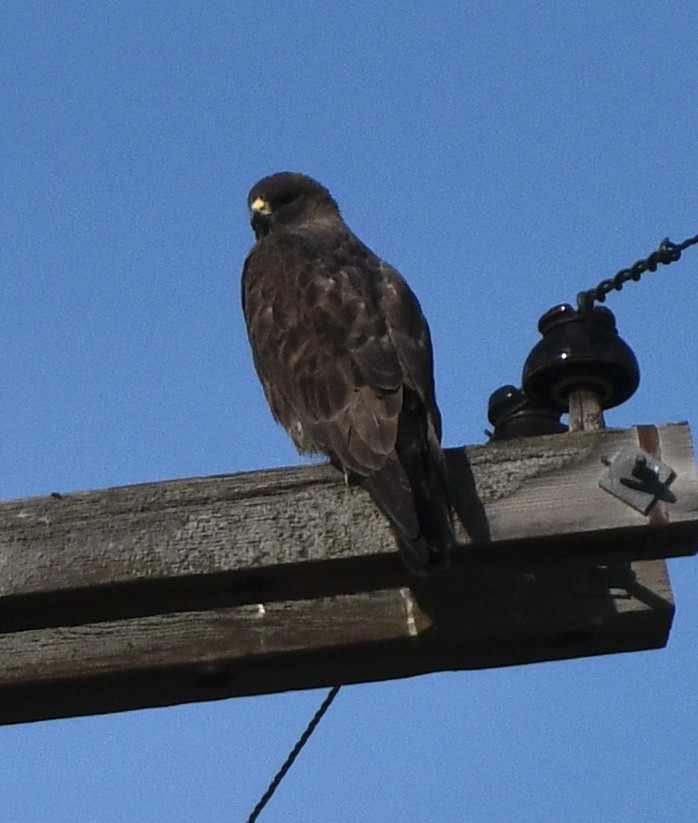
(344,355)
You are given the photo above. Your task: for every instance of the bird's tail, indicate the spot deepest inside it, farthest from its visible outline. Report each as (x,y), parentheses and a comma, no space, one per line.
(426,471)
(411,491)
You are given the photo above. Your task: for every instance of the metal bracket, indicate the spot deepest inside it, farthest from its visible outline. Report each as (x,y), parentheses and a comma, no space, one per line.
(638,479)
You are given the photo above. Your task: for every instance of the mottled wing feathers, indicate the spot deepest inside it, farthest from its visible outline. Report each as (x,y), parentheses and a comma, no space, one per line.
(410,336)
(327,363)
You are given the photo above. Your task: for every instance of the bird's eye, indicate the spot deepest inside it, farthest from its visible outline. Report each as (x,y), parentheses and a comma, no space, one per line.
(285,199)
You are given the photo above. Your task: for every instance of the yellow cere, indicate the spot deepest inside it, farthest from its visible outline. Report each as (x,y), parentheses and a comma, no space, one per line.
(261,205)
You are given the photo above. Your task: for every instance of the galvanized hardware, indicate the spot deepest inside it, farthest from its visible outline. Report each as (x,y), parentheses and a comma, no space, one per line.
(638,479)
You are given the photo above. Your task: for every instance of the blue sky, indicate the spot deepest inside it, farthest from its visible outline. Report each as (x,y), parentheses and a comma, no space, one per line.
(503,156)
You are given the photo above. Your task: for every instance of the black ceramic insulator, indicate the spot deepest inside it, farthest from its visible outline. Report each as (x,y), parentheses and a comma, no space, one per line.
(513,415)
(579,349)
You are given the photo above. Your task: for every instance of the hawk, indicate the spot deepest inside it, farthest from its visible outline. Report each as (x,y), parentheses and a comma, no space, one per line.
(344,356)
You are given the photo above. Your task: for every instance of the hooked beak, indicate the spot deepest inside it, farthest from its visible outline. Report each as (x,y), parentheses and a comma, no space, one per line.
(260,206)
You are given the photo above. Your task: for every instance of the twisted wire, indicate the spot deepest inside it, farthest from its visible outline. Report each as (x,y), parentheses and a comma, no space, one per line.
(667,252)
(295,751)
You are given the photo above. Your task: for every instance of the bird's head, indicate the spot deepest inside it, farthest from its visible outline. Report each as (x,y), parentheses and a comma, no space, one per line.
(285,199)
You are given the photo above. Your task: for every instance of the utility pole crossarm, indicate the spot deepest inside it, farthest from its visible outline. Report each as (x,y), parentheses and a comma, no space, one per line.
(241,584)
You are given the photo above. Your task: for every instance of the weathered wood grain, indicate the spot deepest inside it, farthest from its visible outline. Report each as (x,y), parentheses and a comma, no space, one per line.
(301,532)
(585,412)
(492,617)
(241,584)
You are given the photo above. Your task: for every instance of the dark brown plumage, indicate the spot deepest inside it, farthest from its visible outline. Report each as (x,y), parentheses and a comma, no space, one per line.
(344,355)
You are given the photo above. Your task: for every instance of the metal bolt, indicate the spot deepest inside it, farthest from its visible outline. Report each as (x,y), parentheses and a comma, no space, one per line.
(642,469)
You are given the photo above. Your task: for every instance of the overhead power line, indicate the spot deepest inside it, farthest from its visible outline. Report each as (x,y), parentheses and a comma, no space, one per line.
(295,751)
